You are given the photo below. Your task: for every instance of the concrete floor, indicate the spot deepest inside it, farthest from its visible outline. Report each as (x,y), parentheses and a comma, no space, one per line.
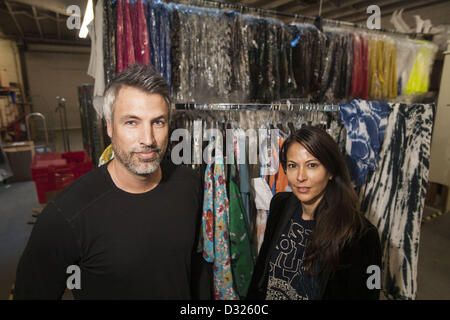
(17,201)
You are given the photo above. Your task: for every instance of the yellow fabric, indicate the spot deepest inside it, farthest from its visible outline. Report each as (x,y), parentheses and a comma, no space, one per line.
(390,69)
(420,74)
(107,155)
(382,69)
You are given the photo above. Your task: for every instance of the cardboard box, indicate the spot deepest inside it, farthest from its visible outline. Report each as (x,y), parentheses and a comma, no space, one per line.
(4,81)
(20,156)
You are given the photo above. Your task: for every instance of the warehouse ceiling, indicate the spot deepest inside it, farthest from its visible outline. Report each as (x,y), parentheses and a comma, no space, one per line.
(40,21)
(44,21)
(343,10)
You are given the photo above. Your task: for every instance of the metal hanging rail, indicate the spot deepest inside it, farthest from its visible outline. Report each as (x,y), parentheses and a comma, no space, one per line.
(272,106)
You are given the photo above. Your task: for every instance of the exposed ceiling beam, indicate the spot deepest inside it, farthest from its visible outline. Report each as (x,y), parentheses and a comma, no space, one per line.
(336,3)
(250,2)
(361,7)
(85,43)
(387,8)
(11,13)
(314,9)
(36,19)
(274,4)
(412,6)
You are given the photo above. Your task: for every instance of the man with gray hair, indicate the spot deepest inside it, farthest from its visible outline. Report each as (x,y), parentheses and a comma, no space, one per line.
(130,227)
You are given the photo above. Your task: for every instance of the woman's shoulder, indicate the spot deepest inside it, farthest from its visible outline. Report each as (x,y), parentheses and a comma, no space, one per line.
(281,196)
(280,199)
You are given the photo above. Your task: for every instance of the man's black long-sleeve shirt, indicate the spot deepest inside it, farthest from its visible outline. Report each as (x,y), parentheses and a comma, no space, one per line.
(127,246)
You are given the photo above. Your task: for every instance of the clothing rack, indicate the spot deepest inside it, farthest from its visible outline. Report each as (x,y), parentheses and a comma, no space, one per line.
(307,106)
(297,17)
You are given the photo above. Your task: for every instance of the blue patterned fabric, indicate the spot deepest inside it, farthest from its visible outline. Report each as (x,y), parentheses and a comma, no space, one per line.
(159,26)
(394,195)
(365,122)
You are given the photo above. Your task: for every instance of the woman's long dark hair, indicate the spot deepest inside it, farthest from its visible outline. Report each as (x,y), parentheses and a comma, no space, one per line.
(337,218)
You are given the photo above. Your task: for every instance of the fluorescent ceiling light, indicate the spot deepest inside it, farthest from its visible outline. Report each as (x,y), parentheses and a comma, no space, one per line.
(88,17)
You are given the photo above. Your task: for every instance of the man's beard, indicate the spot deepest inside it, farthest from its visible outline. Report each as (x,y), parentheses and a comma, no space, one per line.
(141,167)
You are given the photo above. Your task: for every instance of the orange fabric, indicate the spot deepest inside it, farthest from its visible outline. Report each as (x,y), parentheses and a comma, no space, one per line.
(282,181)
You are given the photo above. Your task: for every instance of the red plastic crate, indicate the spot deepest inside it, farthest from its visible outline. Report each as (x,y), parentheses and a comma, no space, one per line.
(55,171)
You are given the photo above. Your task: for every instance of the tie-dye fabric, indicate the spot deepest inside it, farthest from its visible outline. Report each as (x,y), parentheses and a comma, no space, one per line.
(365,122)
(394,195)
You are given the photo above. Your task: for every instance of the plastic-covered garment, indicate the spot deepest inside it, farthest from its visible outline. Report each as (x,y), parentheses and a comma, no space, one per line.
(390,69)
(365,122)
(175,51)
(382,68)
(420,74)
(376,63)
(308,56)
(394,195)
(337,72)
(406,55)
(159,23)
(214,55)
(360,67)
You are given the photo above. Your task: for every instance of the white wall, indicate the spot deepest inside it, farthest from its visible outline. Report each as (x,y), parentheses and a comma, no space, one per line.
(440,147)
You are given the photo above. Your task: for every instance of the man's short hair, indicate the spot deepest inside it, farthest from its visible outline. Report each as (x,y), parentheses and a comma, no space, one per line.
(140,76)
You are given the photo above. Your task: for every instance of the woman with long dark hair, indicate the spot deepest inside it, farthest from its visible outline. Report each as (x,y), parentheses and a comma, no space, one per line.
(316,245)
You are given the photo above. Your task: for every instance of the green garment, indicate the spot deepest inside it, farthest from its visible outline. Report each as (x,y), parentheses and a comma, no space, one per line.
(242,256)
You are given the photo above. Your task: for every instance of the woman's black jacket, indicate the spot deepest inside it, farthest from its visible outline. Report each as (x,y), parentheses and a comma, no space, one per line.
(348,282)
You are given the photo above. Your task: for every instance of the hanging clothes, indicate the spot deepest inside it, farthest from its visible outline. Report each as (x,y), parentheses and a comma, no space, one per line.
(338,67)
(394,195)
(119,38)
(420,74)
(140,33)
(242,166)
(215,238)
(390,69)
(261,187)
(308,54)
(382,69)
(124,37)
(365,123)
(242,257)
(128,42)
(376,64)
(96,66)
(360,67)
(406,55)
(109,40)
(278,181)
